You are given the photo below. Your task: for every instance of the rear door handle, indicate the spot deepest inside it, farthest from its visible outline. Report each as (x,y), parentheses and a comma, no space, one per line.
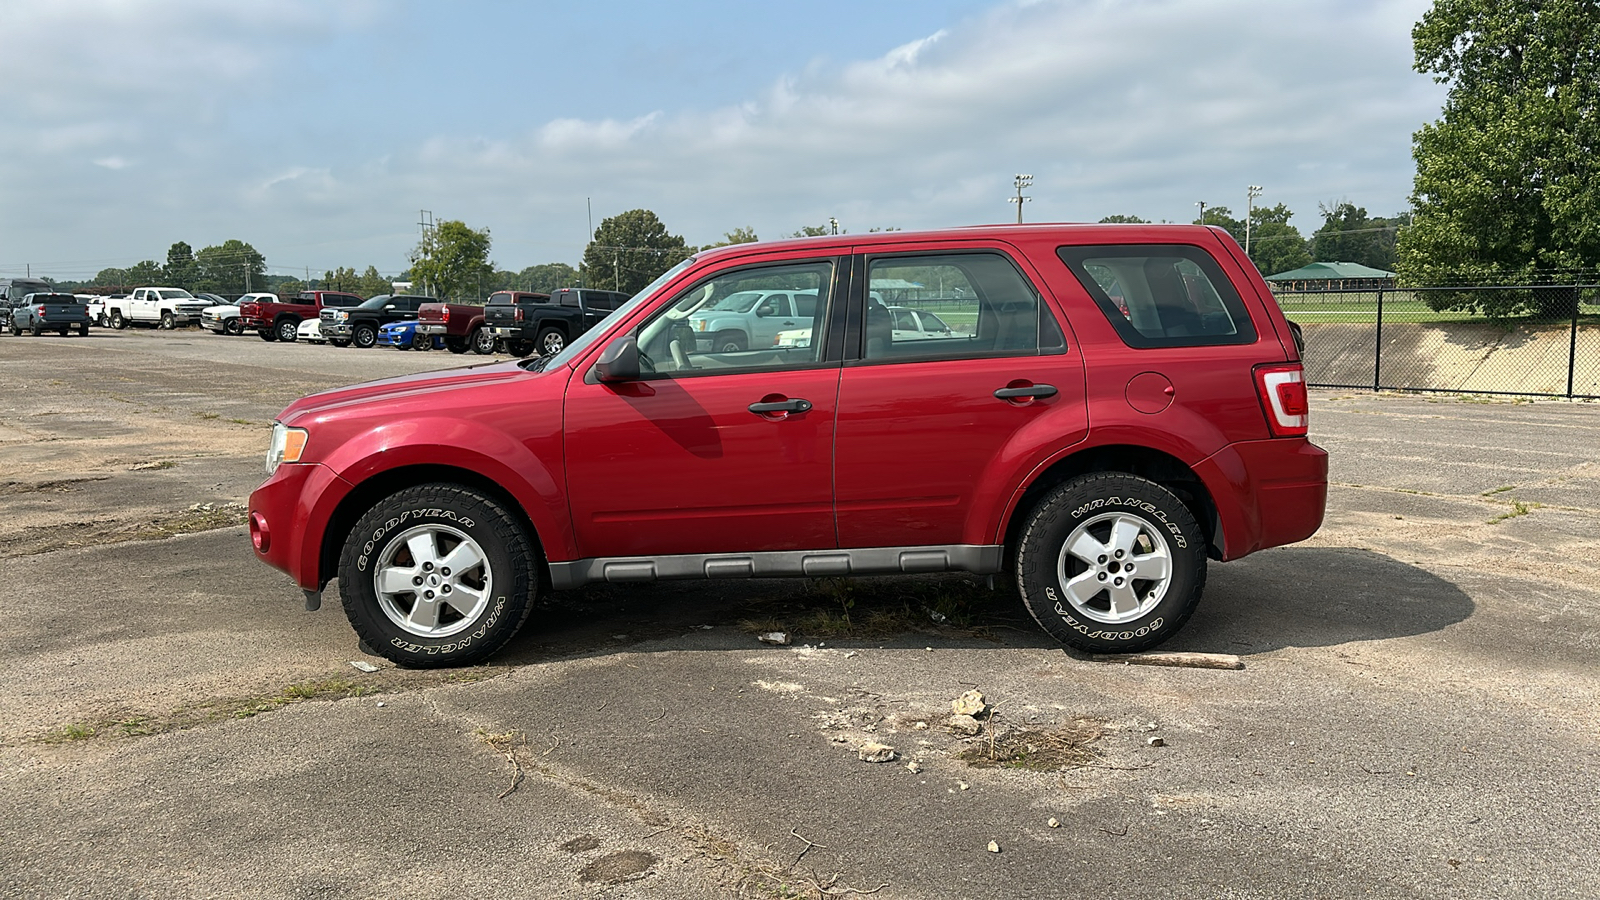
(797,405)
(1032,391)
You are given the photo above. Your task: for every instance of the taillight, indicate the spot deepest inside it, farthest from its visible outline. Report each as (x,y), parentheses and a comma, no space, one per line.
(445,318)
(1282,388)
(518,314)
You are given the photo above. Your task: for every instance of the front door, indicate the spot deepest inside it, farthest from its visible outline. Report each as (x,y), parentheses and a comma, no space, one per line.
(707,452)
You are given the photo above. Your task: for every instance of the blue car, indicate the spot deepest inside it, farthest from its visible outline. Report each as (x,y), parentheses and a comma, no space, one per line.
(403,336)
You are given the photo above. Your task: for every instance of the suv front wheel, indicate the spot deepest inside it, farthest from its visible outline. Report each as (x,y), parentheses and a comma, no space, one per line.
(437,575)
(1111,563)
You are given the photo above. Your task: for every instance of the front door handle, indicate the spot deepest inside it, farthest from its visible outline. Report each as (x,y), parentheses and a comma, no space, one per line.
(1027,392)
(768,407)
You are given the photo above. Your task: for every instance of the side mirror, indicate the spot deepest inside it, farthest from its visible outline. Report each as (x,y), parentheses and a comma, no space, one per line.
(620,362)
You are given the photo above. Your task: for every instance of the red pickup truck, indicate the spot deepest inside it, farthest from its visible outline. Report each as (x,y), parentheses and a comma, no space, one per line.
(460,324)
(1110,407)
(280,320)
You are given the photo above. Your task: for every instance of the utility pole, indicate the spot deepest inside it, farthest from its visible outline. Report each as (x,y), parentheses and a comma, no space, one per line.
(425,222)
(1021,181)
(1250,194)
(833,225)
(1202,205)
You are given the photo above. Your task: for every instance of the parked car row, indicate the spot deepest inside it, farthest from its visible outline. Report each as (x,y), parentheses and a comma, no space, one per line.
(519,322)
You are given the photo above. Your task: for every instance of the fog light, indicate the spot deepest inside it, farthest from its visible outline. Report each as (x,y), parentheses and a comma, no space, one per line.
(260,536)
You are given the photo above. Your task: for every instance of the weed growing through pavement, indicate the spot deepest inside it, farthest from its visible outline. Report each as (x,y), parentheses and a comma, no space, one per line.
(1518,508)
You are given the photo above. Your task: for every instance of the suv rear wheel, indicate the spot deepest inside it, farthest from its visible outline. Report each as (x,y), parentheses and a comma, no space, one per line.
(1111,563)
(437,575)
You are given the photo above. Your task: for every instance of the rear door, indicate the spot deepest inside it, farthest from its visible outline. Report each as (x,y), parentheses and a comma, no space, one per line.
(937,431)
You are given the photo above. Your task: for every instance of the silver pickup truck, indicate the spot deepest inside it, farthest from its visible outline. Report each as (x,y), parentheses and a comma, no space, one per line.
(41,312)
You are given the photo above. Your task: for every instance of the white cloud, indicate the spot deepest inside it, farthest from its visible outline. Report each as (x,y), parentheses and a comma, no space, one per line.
(1137,107)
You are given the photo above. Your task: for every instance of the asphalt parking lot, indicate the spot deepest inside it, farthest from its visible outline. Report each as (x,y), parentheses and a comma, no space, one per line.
(1418,714)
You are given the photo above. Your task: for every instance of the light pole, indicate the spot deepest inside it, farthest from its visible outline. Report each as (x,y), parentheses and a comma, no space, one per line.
(1202,205)
(1250,194)
(1021,181)
(833,225)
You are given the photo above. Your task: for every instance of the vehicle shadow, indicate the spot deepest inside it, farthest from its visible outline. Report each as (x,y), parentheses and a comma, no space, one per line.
(1286,597)
(1317,597)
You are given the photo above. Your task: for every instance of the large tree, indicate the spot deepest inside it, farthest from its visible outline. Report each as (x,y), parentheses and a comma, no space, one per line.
(180,270)
(232,267)
(372,284)
(1348,234)
(1508,179)
(452,261)
(546,278)
(144,273)
(629,250)
(1275,245)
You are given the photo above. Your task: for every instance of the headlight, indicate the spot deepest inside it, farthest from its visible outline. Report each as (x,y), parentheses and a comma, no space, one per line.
(287,445)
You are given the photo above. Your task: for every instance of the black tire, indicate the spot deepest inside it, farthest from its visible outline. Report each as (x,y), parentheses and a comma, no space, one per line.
(483,341)
(83,330)
(1062,588)
(102,321)
(169,321)
(15,330)
(403,625)
(551,340)
(729,342)
(234,326)
(457,345)
(519,348)
(364,336)
(420,341)
(117,321)
(339,343)
(288,329)
(268,334)
(37,331)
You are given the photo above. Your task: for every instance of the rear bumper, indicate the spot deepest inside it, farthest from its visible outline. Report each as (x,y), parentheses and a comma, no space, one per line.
(433,329)
(288,515)
(1267,493)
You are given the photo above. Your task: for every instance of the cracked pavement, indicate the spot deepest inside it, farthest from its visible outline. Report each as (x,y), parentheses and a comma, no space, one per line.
(1417,717)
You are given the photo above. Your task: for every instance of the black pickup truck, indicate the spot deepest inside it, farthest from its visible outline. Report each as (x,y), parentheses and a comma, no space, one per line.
(543,323)
(358,326)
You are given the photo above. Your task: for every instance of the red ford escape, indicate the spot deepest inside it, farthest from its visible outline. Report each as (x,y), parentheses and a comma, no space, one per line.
(1105,408)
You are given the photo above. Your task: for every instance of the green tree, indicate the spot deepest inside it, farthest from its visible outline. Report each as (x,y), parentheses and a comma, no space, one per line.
(744,235)
(180,270)
(342,279)
(1348,234)
(110,277)
(629,250)
(814,231)
(144,273)
(1507,187)
(372,284)
(1120,219)
(452,262)
(546,278)
(284,286)
(1275,245)
(232,268)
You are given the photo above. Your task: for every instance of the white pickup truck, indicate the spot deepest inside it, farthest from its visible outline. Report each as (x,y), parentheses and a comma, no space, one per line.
(163,306)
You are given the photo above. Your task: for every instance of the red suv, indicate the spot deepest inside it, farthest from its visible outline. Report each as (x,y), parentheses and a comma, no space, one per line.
(1111,405)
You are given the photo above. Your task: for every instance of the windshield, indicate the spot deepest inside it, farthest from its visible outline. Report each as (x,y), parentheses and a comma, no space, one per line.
(374,303)
(588,337)
(175,294)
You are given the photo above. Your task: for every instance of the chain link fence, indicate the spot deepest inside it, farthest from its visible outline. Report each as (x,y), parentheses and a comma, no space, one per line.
(1438,339)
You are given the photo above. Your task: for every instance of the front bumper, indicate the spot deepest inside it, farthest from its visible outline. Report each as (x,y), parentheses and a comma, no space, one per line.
(289,513)
(340,330)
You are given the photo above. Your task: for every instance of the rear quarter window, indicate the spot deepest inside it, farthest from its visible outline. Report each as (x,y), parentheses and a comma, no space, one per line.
(1162,295)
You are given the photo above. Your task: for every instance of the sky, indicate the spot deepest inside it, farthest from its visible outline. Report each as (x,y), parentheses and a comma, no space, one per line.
(319,131)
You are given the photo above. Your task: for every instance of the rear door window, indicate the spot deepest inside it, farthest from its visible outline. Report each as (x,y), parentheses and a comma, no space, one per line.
(1162,295)
(985,305)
